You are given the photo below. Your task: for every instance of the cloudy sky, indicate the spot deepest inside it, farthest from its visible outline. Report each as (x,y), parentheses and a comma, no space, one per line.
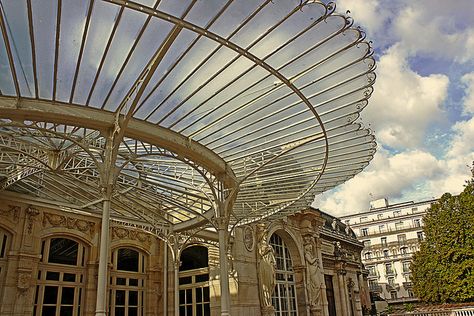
(422,110)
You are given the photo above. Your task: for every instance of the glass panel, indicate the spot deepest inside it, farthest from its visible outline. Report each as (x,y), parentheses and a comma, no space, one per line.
(121,281)
(133,282)
(120,297)
(198,295)
(119,311)
(52,275)
(202,278)
(4,244)
(185,280)
(69,277)
(206,294)
(181,297)
(133,298)
(36,294)
(132,311)
(44,23)
(16,19)
(63,251)
(127,260)
(193,258)
(67,296)
(189,296)
(199,309)
(66,311)
(50,295)
(49,310)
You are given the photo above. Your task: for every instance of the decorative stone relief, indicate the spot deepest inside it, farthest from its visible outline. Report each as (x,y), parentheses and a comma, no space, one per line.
(249,239)
(266,271)
(12,212)
(315,278)
(31,214)
(124,233)
(56,220)
(24,281)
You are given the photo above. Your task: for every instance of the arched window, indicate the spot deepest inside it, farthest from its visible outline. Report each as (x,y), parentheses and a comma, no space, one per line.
(4,248)
(127,283)
(284,296)
(194,282)
(61,275)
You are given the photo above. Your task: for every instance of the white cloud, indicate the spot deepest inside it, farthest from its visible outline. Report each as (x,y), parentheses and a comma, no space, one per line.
(387,176)
(438,28)
(370,14)
(468,81)
(404,103)
(441,29)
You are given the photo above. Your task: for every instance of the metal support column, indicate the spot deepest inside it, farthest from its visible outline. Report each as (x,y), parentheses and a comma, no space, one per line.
(224,270)
(165,279)
(101,301)
(176,287)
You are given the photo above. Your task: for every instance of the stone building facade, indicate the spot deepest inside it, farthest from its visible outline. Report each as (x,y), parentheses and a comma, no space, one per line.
(391,234)
(49,266)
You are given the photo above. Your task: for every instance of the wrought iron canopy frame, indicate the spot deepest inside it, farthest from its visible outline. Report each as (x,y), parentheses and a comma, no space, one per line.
(182,111)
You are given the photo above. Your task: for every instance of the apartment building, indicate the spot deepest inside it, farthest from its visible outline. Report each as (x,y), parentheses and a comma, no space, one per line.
(391,234)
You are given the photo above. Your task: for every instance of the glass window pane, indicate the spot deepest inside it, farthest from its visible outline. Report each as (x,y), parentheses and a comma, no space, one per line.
(119,311)
(120,297)
(206,294)
(69,277)
(50,294)
(127,260)
(198,295)
(132,311)
(121,281)
(63,251)
(67,296)
(189,297)
(202,278)
(49,310)
(181,297)
(66,311)
(52,275)
(133,298)
(185,280)
(133,282)
(193,258)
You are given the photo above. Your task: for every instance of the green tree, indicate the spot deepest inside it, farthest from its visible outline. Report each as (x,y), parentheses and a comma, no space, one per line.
(443,268)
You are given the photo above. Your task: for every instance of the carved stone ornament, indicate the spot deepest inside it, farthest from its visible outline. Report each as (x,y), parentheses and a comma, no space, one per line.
(55,220)
(249,239)
(124,233)
(24,281)
(31,214)
(12,212)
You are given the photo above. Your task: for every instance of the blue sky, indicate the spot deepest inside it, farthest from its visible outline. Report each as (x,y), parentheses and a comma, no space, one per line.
(422,109)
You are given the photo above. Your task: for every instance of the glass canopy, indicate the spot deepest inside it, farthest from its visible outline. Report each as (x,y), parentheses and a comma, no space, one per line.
(183,104)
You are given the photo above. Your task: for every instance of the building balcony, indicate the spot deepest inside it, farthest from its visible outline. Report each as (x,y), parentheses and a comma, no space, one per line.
(388,230)
(407,285)
(375,288)
(393,287)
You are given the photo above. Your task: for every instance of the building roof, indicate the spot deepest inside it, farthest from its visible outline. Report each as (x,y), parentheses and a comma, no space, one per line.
(177,106)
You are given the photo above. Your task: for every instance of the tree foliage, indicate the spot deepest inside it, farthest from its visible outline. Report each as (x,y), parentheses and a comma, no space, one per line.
(443,268)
